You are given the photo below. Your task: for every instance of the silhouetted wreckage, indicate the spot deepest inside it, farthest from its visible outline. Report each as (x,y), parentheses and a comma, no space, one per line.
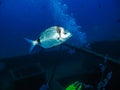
(56,70)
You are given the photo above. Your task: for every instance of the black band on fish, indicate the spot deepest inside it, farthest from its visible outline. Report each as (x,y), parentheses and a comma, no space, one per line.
(59,31)
(38,40)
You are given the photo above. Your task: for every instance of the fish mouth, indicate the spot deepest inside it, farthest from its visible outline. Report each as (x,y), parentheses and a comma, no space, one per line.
(69,34)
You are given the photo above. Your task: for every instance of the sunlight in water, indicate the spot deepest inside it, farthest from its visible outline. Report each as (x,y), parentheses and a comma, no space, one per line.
(61,17)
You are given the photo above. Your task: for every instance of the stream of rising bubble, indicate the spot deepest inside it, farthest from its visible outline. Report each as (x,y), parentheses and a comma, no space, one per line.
(63,18)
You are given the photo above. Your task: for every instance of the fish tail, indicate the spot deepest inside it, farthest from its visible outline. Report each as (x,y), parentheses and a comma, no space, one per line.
(32,42)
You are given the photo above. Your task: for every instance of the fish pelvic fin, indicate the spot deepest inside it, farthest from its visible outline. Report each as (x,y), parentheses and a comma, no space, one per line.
(32,42)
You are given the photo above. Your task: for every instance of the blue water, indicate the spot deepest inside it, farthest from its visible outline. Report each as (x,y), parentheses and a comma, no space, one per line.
(88,20)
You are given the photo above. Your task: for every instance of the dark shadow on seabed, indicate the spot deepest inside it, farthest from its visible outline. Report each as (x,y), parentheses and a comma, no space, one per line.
(31,71)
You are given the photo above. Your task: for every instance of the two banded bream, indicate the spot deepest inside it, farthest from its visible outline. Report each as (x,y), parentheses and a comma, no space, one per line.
(50,37)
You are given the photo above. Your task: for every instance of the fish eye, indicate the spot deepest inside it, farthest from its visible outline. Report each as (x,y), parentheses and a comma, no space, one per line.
(65,32)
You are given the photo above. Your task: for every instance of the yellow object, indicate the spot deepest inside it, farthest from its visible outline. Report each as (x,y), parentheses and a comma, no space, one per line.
(75,86)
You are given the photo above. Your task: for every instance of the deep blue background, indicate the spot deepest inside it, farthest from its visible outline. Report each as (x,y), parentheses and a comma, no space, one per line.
(99,19)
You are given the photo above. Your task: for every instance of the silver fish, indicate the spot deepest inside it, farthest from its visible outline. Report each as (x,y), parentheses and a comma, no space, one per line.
(51,37)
